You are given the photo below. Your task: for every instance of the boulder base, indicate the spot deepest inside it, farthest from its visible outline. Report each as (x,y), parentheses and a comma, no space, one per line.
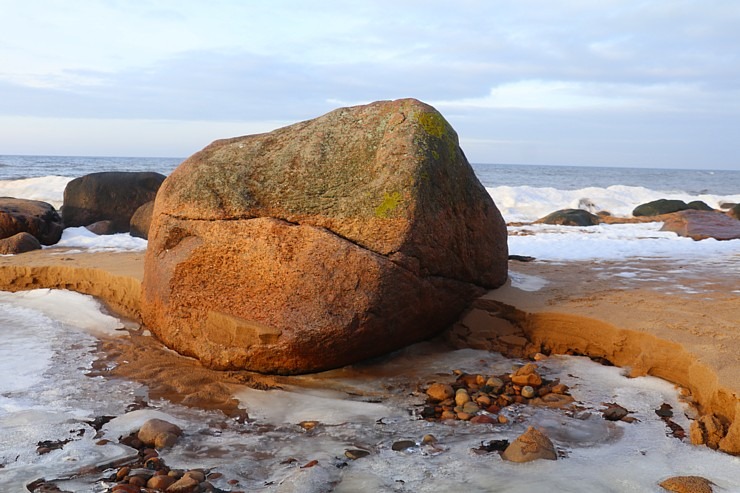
(320,244)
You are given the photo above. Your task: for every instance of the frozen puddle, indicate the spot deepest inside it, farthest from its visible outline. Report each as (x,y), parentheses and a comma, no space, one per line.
(45,396)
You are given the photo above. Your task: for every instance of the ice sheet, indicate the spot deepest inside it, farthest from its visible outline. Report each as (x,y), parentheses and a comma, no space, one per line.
(613,242)
(81,237)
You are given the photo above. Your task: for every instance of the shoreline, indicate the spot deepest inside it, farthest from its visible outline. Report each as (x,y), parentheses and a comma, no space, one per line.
(582,308)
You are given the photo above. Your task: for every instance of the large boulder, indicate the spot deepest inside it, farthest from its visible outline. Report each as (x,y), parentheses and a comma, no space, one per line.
(322,243)
(108,196)
(700,225)
(659,207)
(30,216)
(571,217)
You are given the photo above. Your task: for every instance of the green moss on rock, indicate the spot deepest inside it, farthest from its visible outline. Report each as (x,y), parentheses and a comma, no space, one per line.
(433,123)
(390,203)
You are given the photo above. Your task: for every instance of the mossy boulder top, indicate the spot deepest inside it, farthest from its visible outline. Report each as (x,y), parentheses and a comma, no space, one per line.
(389,176)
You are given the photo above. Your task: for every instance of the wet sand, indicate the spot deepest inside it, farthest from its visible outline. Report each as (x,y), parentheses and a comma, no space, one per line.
(650,317)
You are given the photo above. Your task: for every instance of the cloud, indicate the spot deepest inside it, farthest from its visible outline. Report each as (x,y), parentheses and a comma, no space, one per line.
(506,74)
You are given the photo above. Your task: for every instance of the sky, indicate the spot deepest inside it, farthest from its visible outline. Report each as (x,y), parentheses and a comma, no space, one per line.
(571,82)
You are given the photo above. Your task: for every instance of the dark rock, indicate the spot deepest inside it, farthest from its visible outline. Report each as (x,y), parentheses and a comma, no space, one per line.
(660,206)
(110,195)
(726,205)
(700,225)
(403,445)
(321,244)
(142,220)
(102,228)
(355,454)
(699,205)
(19,243)
(30,216)
(614,412)
(734,211)
(571,217)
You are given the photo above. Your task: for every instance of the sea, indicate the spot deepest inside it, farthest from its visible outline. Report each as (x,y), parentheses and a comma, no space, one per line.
(51,342)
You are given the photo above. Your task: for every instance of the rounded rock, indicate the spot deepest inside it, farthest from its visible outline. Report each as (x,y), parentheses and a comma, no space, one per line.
(530,445)
(687,484)
(461,397)
(161,482)
(470,408)
(528,392)
(439,392)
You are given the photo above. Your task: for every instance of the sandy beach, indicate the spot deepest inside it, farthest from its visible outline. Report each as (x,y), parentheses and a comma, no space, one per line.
(651,319)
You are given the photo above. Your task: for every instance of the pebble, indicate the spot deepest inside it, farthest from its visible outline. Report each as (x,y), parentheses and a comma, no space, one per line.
(185,484)
(438,392)
(428,439)
(308,425)
(403,445)
(196,475)
(461,397)
(528,392)
(160,482)
(355,454)
(494,383)
(125,488)
(159,433)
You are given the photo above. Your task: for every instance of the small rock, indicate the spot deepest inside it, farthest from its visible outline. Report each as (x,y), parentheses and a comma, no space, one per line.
(463,416)
(529,446)
(126,488)
(355,454)
(185,484)
(614,412)
(160,482)
(159,433)
(495,383)
(502,419)
(438,392)
(483,419)
(483,400)
(687,484)
(428,439)
(308,425)
(461,397)
(560,388)
(527,375)
(470,408)
(199,476)
(528,392)
(19,243)
(403,445)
